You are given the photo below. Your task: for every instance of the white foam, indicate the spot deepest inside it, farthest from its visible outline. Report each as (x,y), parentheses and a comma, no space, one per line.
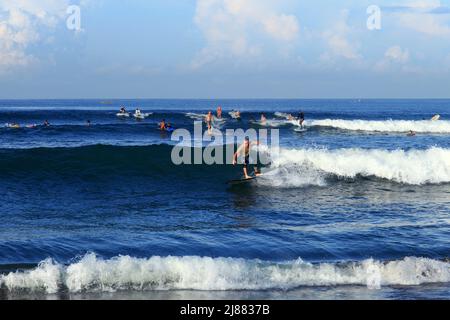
(417,167)
(46,277)
(195,116)
(282,115)
(271,123)
(92,274)
(292,176)
(423,126)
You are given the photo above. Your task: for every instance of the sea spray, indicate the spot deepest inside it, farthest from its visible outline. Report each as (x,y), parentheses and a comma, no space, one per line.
(415,167)
(93,274)
(422,126)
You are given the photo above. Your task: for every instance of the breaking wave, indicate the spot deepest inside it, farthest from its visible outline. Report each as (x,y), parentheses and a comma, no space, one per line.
(423,126)
(93,274)
(289,167)
(313,166)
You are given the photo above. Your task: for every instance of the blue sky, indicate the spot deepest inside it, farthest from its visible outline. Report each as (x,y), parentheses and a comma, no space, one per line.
(224,49)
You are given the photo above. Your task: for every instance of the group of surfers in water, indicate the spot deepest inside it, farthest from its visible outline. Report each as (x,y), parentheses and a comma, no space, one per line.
(209,118)
(124,111)
(300,118)
(243,150)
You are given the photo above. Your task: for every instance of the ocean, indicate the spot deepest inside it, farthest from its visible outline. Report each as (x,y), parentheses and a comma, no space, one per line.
(350,208)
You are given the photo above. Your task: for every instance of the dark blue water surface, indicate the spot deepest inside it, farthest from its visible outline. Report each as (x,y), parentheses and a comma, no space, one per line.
(342,199)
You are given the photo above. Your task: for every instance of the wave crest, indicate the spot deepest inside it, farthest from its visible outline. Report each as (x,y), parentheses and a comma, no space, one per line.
(415,167)
(92,274)
(423,126)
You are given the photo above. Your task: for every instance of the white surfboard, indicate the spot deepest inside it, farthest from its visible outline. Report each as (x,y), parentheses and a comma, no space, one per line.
(142,115)
(436,117)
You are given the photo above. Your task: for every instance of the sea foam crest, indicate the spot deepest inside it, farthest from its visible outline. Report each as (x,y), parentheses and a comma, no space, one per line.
(92,274)
(416,167)
(423,126)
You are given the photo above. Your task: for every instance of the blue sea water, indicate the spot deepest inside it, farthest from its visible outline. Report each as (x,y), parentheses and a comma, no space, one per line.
(101,211)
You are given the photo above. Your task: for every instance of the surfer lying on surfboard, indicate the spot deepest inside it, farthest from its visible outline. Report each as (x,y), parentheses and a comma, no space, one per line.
(244,150)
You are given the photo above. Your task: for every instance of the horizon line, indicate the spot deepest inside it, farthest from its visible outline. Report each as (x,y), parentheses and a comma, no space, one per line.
(116,99)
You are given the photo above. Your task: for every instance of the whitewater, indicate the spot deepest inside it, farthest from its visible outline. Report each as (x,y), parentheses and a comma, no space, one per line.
(313,165)
(399,126)
(93,274)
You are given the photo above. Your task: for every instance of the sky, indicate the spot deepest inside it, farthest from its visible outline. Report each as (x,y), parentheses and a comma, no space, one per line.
(224,49)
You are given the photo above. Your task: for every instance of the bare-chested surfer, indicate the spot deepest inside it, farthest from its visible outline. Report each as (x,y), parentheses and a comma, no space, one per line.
(244,150)
(263,119)
(208,120)
(219,112)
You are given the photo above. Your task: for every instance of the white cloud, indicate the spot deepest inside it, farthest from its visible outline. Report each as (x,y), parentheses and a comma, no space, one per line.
(424,4)
(241,28)
(282,27)
(396,54)
(421,19)
(337,39)
(20,22)
(393,57)
(431,25)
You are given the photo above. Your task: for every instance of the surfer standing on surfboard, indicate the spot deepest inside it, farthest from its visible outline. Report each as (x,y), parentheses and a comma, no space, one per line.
(244,150)
(263,119)
(301,119)
(208,120)
(219,112)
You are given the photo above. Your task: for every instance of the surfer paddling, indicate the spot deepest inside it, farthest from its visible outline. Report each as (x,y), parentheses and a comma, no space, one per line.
(244,150)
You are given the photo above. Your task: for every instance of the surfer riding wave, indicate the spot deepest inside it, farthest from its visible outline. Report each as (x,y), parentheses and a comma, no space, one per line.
(244,150)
